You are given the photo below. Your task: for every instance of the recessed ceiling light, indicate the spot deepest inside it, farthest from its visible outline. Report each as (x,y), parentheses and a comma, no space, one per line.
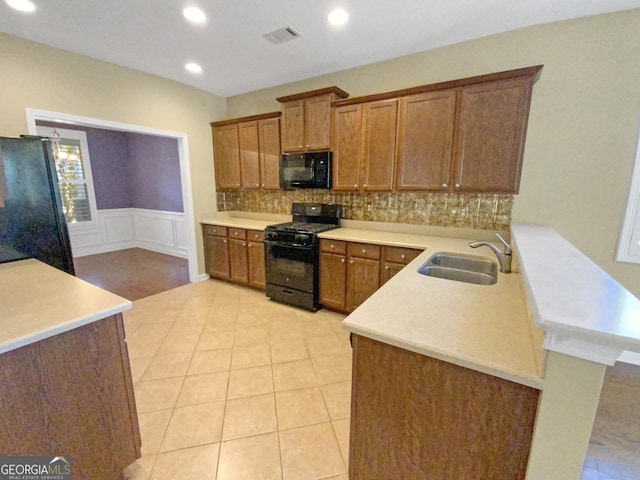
(338,17)
(22,5)
(193,67)
(194,14)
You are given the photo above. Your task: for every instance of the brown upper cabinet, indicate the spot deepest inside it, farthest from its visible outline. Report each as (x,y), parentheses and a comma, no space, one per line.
(306,119)
(490,136)
(425,140)
(364,146)
(246,152)
(464,135)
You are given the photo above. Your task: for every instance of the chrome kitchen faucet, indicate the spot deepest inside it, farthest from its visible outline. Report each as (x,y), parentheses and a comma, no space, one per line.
(504,258)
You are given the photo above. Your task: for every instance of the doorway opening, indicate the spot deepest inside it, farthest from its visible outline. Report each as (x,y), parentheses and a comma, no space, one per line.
(34,115)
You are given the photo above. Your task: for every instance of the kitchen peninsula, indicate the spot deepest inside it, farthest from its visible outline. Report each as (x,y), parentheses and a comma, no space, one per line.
(65,379)
(531,351)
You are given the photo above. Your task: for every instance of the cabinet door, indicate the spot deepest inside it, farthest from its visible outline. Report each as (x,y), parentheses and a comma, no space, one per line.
(425,141)
(255,257)
(217,257)
(317,122)
(226,153)
(293,126)
(389,270)
(363,279)
(249,157)
(269,136)
(238,263)
(333,281)
(347,123)
(493,122)
(379,120)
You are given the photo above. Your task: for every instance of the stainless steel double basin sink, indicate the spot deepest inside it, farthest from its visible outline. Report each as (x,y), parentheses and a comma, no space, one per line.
(461,268)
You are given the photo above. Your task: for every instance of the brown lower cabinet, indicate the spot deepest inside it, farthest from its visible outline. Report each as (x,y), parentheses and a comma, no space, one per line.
(350,272)
(255,257)
(72,394)
(395,259)
(414,417)
(235,254)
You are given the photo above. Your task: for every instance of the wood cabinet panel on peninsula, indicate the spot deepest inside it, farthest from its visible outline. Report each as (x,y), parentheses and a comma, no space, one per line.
(306,119)
(415,417)
(72,394)
(246,152)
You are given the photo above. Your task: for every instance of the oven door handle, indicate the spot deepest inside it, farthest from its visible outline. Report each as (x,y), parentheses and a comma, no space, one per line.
(288,245)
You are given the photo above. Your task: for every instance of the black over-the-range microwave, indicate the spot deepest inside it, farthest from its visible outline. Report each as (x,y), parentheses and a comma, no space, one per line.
(305,170)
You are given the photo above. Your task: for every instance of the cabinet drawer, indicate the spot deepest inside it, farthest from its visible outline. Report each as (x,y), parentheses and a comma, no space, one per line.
(400,254)
(364,250)
(333,246)
(215,230)
(238,233)
(255,236)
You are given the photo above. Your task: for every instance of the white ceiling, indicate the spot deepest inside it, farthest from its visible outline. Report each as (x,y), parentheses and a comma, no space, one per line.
(153,36)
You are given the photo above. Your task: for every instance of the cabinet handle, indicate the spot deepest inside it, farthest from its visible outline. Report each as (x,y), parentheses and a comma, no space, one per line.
(342,260)
(386,267)
(224,241)
(444,186)
(263,185)
(364,251)
(457,186)
(355,186)
(351,262)
(244,244)
(402,256)
(364,186)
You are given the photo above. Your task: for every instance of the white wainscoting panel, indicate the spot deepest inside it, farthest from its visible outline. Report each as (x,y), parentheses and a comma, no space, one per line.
(122,228)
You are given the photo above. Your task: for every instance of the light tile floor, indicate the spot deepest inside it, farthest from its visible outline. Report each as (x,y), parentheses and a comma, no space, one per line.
(230,386)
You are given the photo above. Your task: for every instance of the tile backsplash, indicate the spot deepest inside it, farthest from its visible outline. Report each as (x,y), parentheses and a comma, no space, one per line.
(482,211)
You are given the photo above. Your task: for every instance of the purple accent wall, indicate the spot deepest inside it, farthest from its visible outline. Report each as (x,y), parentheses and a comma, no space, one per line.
(155,173)
(110,168)
(132,170)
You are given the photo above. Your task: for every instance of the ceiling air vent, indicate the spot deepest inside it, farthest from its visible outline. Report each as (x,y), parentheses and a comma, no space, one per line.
(282,35)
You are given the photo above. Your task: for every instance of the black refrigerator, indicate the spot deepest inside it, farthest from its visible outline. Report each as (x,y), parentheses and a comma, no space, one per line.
(32,223)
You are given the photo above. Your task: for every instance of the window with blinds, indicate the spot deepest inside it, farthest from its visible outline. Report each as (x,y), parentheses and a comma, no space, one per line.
(72,181)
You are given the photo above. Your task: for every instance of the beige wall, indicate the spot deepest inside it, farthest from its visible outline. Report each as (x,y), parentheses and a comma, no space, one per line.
(44,78)
(583,125)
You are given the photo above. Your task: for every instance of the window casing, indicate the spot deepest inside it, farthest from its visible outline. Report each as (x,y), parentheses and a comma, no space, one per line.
(629,240)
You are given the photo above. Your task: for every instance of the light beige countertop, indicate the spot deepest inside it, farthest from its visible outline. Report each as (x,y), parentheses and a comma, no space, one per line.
(40,301)
(244,220)
(392,239)
(584,312)
(485,328)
